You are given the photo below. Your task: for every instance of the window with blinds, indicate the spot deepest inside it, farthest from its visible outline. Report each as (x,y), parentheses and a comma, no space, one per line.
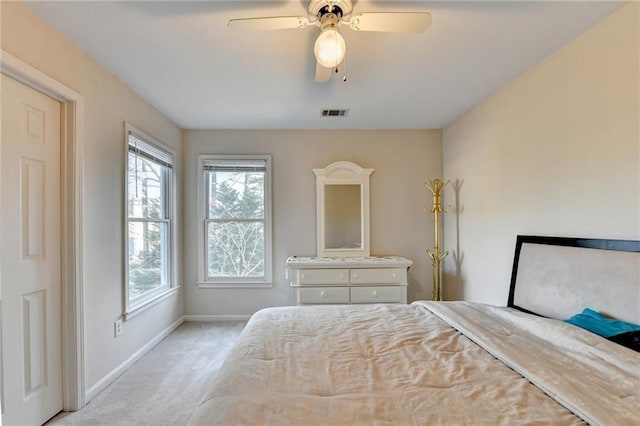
(236,219)
(149,214)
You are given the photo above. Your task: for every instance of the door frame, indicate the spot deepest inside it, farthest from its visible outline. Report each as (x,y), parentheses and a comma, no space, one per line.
(71,185)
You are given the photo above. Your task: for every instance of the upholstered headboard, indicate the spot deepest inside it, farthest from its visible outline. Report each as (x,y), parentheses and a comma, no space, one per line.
(559,277)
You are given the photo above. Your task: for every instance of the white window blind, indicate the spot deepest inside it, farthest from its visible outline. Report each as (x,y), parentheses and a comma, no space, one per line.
(148,151)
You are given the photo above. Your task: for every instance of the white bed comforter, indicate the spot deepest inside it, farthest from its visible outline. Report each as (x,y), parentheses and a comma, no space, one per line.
(403,365)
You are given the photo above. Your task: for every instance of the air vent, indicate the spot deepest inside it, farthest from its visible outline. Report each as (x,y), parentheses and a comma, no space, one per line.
(334,112)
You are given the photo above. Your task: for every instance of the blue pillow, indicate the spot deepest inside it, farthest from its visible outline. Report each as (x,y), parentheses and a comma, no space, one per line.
(601,325)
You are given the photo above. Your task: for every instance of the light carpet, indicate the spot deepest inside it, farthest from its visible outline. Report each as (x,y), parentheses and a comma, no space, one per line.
(164,386)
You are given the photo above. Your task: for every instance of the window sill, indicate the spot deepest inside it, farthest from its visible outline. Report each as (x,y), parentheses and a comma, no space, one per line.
(237,284)
(138,308)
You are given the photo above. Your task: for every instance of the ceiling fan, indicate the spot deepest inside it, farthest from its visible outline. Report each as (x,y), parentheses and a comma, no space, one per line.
(329,15)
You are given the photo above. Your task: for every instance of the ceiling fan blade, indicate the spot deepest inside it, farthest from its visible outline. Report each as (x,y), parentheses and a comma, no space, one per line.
(323,74)
(391,22)
(270,23)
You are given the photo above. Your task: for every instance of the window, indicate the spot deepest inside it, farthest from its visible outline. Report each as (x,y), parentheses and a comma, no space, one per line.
(149,215)
(235,218)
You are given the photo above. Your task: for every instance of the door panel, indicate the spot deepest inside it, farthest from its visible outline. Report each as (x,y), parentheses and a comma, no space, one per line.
(30,256)
(33,203)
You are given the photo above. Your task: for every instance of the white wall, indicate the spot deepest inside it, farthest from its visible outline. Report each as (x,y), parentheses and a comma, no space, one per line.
(403,162)
(108,103)
(555,152)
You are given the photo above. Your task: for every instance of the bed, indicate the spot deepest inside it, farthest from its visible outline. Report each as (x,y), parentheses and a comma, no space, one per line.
(447,362)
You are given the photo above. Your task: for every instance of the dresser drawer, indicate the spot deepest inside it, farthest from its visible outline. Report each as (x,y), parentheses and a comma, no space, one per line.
(377,294)
(323,276)
(378,276)
(324,295)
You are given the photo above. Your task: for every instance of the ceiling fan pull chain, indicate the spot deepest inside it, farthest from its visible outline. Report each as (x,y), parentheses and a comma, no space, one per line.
(336,51)
(344,76)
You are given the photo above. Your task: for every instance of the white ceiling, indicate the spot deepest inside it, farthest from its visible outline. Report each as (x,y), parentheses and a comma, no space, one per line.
(182,58)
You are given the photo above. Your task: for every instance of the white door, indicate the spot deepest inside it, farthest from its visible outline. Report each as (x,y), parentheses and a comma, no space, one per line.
(30,256)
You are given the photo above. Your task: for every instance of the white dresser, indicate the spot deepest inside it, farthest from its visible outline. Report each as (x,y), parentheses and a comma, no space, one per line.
(339,280)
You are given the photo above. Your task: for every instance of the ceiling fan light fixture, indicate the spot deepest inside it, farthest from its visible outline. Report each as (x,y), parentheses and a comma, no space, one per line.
(329,15)
(330,48)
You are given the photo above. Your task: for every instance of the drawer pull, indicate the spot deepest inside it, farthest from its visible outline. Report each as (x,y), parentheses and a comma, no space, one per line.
(355,276)
(394,275)
(342,276)
(324,294)
(302,276)
(376,293)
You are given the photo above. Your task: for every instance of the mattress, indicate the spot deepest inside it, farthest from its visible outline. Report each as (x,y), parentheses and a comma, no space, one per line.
(424,363)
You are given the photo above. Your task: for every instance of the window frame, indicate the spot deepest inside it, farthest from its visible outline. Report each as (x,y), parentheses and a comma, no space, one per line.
(143,302)
(203,190)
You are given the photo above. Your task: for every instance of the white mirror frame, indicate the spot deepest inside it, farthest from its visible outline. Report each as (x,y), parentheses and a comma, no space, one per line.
(342,173)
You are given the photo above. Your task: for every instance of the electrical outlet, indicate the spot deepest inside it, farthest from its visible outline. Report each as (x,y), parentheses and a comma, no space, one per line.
(117,328)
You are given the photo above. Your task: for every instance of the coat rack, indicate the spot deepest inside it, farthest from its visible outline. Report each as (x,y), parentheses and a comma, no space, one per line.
(437,256)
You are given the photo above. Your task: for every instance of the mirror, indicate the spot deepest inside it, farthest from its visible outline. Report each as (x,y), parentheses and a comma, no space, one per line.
(342,216)
(342,197)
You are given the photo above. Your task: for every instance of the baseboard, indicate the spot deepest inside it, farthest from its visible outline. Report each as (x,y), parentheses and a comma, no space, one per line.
(116,372)
(216,317)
